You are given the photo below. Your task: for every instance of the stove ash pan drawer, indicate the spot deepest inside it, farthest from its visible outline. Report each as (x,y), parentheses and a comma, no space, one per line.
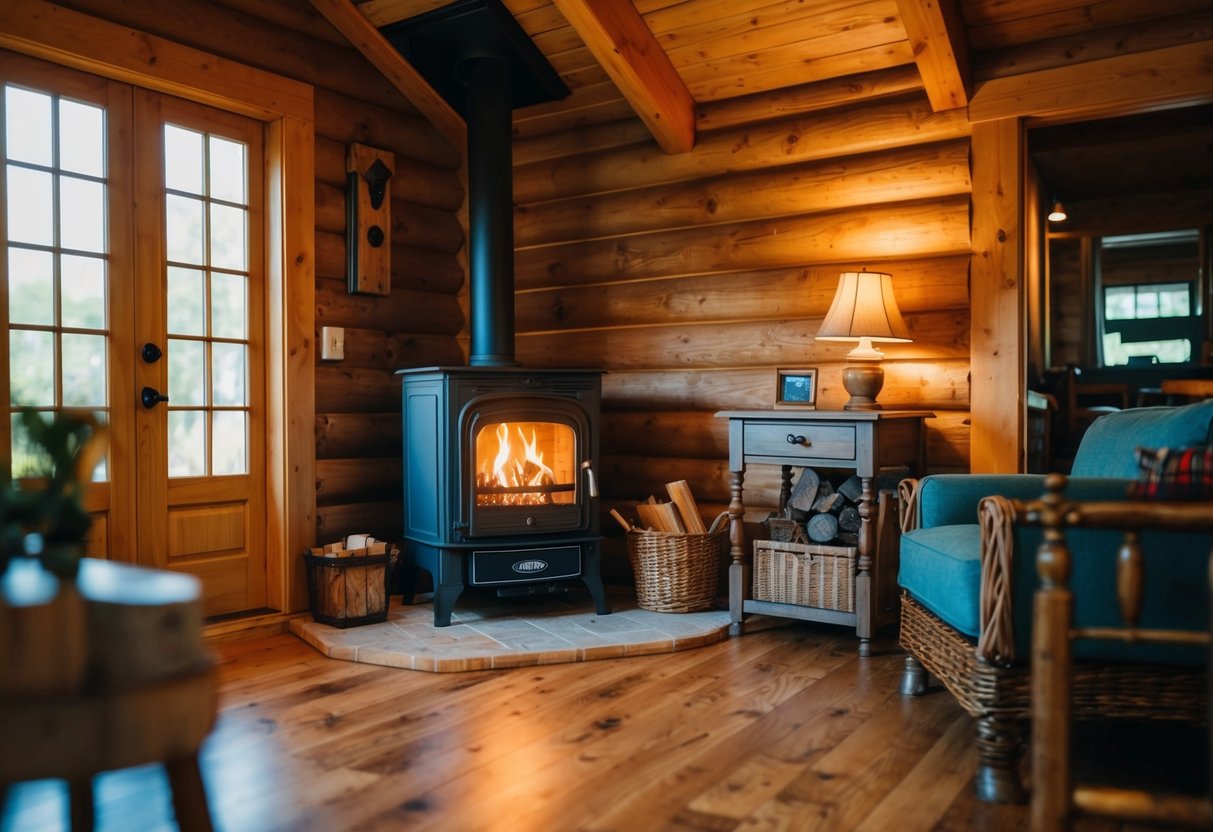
(491,567)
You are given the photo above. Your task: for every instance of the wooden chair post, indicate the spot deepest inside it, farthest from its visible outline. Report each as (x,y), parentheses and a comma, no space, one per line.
(1052,617)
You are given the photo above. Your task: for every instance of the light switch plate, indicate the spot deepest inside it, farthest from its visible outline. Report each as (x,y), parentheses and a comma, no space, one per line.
(332,343)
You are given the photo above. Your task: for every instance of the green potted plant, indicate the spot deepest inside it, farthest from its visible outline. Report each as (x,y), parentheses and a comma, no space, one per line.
(42,512)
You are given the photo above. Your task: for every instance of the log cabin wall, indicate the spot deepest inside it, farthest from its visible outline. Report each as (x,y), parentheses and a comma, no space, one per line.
(690,278)
(358,398)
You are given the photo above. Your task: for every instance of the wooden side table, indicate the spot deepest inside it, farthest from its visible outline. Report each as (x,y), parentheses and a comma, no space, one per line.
(863,441)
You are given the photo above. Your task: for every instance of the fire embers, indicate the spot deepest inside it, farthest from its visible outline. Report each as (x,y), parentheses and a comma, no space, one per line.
(517,475)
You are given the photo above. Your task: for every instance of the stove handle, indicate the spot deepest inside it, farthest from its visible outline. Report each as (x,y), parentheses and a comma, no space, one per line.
(593,480)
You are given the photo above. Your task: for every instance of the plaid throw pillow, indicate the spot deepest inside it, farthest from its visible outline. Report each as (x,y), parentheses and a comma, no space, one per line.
(1180,474)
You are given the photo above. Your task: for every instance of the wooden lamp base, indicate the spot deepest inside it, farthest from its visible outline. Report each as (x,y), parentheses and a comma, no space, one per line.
(863,382)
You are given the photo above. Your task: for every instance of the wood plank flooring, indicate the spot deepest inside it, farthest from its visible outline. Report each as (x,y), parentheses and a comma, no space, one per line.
(783,729)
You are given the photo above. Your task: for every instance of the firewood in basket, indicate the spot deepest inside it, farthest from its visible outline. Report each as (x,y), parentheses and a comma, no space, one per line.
(852,489)
(822,528)
(848,519)
(830,503)
(848,538)
(804,492)
(680,494)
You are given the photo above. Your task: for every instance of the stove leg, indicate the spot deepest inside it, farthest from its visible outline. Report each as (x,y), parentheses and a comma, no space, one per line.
(591,576)
(448,586)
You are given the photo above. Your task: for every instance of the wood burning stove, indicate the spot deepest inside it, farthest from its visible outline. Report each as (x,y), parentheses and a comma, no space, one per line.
(499,461)
(499,480)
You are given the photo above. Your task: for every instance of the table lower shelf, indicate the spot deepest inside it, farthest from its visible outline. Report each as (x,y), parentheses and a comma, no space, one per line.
(803,613)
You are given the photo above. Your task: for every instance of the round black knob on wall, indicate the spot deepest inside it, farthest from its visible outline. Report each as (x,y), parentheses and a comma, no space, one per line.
(374,236)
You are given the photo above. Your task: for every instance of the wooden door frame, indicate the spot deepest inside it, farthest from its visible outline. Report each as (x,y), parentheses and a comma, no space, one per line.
(53,33)
(1000,111)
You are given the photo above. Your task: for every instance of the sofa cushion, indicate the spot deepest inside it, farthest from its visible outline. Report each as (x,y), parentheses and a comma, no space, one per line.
(941,568)
(1174,474)
(1107,447)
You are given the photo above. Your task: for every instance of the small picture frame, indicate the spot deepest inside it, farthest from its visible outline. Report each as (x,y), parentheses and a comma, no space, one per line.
(796,388)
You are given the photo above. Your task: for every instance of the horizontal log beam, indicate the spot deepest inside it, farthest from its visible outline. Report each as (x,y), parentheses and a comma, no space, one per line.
(377,350)
(412,268)
(913,384)
(902,174)
(405,310)
(937,335)
(1126,84)
(348,120)
(413,224)
(773,294)
(859,236)
(879,126)
(342,481)
(422,183)
(381,519)
(355,435)
(349,390)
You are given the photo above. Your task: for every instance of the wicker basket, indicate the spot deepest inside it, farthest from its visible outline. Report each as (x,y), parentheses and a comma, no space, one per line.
(676,572)
(807,574)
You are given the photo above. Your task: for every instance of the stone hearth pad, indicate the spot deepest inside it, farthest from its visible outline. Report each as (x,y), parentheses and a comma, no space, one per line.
(489,633)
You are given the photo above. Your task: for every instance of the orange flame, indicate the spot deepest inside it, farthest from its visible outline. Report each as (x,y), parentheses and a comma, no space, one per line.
(514,467)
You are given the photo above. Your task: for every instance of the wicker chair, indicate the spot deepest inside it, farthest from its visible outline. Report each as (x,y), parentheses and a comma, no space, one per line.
(967,577)
(1056,798)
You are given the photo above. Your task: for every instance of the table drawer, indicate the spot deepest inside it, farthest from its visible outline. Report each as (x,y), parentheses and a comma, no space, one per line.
(821,440)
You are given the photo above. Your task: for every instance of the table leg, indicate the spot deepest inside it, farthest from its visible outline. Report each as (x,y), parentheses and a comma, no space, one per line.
(785,486)
(863,580)
(739,578)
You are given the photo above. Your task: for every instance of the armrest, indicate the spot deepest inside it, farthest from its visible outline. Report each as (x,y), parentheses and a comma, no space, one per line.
(952,499)
(1008,556)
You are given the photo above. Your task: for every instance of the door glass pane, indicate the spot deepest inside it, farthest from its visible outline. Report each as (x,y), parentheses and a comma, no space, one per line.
(228,316)
(186,443)
(30,207)
(184,229)
(82,214)
(182,159)
(186,301)
(186,372)
(227,237)
(81,138)
(83,282)
(31,286)
(83,370)
(61,207)
(28,459)
(227,170)
(228,382)
(28,119)
(231,456)
(31,368)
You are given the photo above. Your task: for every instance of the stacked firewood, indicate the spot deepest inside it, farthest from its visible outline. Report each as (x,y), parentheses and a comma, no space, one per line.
(353,589)
(679,515)
(817,511)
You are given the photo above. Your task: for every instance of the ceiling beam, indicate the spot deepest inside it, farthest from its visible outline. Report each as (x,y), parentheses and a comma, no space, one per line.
(1123,85)
(360,32)
(936,32)
(619,38)
(383,12)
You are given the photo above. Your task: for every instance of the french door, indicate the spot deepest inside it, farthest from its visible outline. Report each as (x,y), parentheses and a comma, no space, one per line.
(133,287)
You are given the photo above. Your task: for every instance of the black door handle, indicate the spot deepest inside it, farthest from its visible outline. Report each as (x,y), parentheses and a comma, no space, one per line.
(151,353)
(150,397)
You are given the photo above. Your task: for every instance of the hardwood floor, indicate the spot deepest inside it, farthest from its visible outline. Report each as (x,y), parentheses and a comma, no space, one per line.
(785,729)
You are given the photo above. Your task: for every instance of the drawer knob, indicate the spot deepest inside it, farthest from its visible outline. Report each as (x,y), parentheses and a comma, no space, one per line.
(794,439)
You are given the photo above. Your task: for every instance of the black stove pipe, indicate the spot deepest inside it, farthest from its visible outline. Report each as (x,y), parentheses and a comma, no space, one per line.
(490,208)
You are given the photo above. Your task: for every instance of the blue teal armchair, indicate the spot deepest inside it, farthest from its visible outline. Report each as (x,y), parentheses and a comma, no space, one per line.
(968,573)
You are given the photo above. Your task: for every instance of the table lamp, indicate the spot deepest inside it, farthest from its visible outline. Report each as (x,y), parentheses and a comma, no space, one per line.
(864,310)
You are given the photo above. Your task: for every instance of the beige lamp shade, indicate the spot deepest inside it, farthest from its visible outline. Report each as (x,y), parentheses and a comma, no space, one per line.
(864,310)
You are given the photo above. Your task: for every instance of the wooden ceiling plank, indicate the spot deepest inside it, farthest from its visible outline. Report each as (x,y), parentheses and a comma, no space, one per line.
(617,36)
(383,56)
(1121,85)
(937,37)
(383,12)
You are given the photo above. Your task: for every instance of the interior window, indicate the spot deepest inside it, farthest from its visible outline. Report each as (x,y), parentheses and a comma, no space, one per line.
(1150,307)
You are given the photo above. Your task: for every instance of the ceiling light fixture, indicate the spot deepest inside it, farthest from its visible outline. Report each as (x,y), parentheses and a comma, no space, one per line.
(1058,214)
